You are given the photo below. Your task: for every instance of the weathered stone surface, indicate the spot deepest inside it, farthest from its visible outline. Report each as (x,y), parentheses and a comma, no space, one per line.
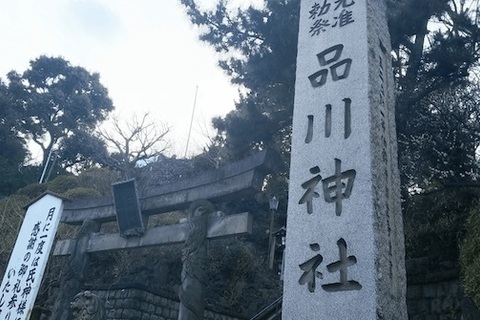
(194,277)
(232,181)
(88,306)
(219,226)
(344,245)
(78,262)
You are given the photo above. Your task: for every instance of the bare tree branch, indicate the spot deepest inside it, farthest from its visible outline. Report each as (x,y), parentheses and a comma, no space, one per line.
(133,141)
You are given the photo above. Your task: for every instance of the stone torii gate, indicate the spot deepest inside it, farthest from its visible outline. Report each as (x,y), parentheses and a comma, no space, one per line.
(231,182)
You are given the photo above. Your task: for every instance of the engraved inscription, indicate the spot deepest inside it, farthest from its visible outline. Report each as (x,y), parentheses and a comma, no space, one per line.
(328,120)
(324,18)
(309,268)
(341,266)
(347,121)
(310,187)
(339,186)
(336,188)
(310,273)
(309,136)
(339,69)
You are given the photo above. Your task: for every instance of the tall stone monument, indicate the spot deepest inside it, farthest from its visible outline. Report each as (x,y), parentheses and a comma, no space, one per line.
(344,246)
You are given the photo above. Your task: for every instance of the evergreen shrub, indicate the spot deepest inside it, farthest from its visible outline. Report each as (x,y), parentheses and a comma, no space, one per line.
(11,217)
(470,257)
(32,190)
(81,193)
(62,184)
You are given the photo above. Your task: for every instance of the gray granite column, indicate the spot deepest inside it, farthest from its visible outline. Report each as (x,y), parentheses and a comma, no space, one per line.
(344,246)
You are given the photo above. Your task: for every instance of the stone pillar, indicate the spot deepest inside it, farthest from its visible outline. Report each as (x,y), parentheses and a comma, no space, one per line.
(344,245)
(72,283)
(194,276)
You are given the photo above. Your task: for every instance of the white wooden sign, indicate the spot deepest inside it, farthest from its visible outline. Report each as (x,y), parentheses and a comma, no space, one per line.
(24,273)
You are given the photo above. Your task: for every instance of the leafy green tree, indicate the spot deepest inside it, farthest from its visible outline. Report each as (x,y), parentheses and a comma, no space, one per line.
(13,151)
(258,47)
(435,46)
(435,50)
(440,171)
(440,149)
(82,150)
(56,98)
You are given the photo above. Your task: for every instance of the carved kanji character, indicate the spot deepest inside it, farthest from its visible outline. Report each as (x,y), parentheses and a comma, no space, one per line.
(309,268)
(318,10)
(17,286)
(339,186)
(319,25)
(31,275)
(342,266)
(40,247)
(22,270)
(345,17)
(343,3)
(310,187)
(339,70)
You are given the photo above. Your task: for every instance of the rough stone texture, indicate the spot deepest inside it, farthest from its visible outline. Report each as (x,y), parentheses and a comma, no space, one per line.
(437,295)
(88,306)
(194,276)
(71,283)
(138,304)
(238,179)
(219,225)
(344,249)
(388,223)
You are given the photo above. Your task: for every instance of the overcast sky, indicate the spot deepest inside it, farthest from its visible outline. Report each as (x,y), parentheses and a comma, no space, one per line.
(146,52)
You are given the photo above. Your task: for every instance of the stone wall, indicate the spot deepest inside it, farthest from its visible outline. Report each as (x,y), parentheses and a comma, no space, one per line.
(436,295)
(431,295)
(139,304)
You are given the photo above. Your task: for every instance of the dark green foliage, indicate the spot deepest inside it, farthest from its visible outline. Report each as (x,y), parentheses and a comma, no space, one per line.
(92,183)
(81,193)
(265,40)
(81,151)
(164,170)
(50,101)
(469,257)
(437,103)
(32,190)
(435,48)
(435,222)
(11,217)
(13,150)
(100,179)
(55,98)
(239,278)
(62,184)
(95,182)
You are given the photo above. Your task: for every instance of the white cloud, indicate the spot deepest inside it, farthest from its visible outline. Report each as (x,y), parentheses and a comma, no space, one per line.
(146,52)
